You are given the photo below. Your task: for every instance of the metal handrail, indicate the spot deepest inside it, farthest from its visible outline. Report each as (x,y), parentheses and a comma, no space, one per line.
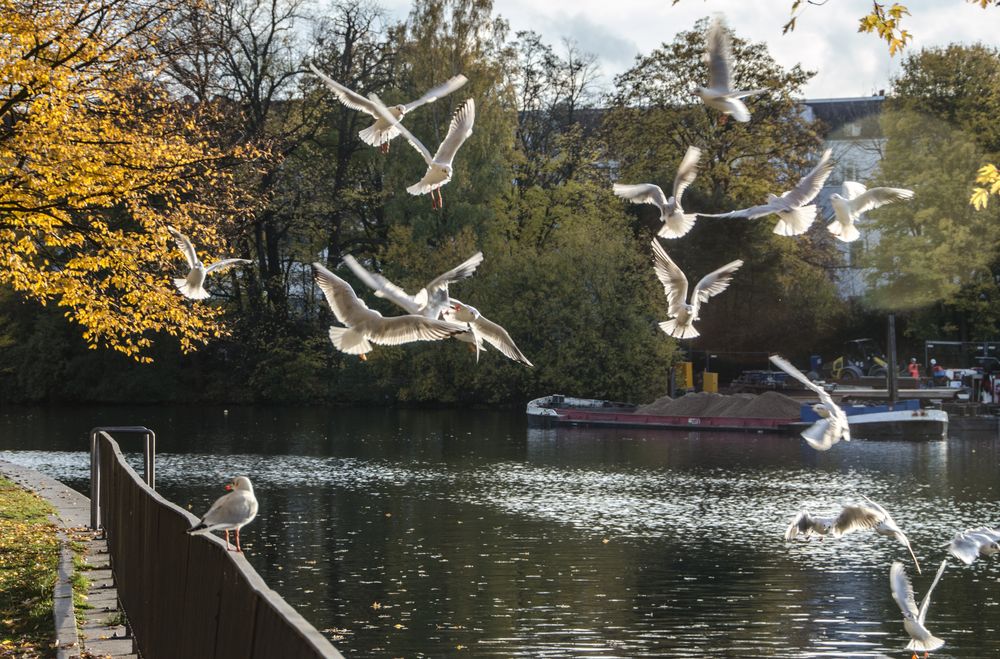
(148,464)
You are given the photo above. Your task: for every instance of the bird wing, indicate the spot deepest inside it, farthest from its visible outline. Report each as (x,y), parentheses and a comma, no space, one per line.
(225,263)
(751,213)
(810,184)
(716,281)
(641,193)
(876,197)
(458,131)
(346,306)
(719,56)
(854,518)
(686,173)
(397,330)
(852,189)
(799,524)
(965,547)
(823,434)
(466,269)
(383,112)
(902,591)
(349,98)
(926,602)
(675,284)
(183,244)
(383,287)
(445,88)
(788,368)
(498,337)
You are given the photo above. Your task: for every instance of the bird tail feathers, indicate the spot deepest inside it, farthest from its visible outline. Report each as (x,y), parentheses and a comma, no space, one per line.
(375,137)
(348,340)
(677,225)
(679,331)
(795,221)
(848,233)
(193,292)
(928,644)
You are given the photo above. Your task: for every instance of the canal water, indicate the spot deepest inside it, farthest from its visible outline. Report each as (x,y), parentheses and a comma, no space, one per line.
(431,533)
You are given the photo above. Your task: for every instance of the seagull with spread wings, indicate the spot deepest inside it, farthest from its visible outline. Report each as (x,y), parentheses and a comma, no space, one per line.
(364,326)
(832,425)
(484,329)
(858,199)
(193,286)
(676,222)
(970,544)
(850,518)
(683,313)
(913,618)
(719,93)
(439,167)
(795,213)
(382,132)
(887,526)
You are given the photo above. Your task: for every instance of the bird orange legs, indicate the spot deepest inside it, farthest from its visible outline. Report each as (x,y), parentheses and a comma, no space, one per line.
(384,147)
(439,202)
(238,548)
(228,546)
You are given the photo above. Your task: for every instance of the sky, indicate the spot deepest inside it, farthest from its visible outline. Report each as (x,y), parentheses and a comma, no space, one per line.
(825,39)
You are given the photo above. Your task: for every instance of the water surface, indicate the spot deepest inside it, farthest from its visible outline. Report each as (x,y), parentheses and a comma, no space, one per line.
(424,533)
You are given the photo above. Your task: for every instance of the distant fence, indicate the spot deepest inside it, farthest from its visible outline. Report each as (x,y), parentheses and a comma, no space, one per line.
(187,596)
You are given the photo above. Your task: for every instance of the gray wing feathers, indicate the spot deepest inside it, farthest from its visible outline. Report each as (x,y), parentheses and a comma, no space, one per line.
(458,131)
(876,197)
(719,56)
(902,591)
(383,112)
(225,263)
(641,193)
(926,602)
(462,271)
(810,184)
(442,90)
(498,337)
(686,173)
(184,244)
(351,99)
(716,281)
(397,330)
(854,518)
(383,287)
(345,304)
(675,284)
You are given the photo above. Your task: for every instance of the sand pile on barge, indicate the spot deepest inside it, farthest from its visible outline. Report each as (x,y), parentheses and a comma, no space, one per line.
(768,405)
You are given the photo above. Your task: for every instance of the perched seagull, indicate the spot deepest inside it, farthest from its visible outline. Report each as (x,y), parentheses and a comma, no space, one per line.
(857,199)
(795,213)
(682,313)
(230,512)
(365,326)
(439,167)
(675,222)
(719,94)
(851,518)
(382,131)
(484,329)
(887,526)
(913,619)
(832,425)
(431,301)
(192,286)
(970,544)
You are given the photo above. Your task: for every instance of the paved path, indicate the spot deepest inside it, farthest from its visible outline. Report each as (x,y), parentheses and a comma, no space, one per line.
(102,634)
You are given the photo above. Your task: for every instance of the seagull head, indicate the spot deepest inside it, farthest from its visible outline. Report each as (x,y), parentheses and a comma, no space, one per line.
(398,111)
(469,309)
(239,483)
(821,409)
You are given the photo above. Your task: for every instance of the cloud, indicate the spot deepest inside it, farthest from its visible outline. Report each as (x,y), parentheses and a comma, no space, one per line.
(592,37)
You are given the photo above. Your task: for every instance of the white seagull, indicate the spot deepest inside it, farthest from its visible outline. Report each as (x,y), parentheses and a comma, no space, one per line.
(484,329)
(913,618)
(365,326)
(192,286)
(795,213)
(230,512)
(683,314)
(719,94)
(887,526)
(431,301)
(851,518)
(832,425)
(439,168)
(857,199)
(383,131)
(676,222)
(970,544)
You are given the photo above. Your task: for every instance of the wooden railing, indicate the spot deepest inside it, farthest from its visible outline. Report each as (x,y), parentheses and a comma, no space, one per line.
(187,596)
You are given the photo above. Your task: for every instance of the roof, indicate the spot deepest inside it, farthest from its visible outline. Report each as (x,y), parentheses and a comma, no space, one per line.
(847,118)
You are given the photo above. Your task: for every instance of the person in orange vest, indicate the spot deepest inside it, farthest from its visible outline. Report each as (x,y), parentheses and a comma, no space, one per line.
(914,368)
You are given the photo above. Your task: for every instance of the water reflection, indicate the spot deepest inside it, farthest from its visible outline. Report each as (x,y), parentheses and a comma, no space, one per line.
(415,533)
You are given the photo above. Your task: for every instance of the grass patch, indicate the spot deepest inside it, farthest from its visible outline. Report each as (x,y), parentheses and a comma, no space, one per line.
(29,554)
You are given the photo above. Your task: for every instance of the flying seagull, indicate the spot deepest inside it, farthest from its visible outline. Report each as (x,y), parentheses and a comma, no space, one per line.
(430,301)
(230,512)
(795,213)
(382,131)
(850,518)
(913,618)
(719,94)
(683,314)
(970,544)
(857,199)
(365,326)
(192,286)
(676,222)
(832,425)
(439,168)
(887,526)
(484,329)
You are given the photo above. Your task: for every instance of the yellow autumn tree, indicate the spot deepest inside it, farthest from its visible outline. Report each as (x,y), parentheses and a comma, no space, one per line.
(95,161)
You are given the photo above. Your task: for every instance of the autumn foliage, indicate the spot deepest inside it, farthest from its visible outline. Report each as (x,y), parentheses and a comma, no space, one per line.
(95,161)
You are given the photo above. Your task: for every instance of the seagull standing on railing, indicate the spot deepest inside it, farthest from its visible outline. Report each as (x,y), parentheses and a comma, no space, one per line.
(230,512)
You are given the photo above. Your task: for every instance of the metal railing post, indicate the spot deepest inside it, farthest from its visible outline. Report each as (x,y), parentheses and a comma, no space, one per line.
(148,464)
(95,481)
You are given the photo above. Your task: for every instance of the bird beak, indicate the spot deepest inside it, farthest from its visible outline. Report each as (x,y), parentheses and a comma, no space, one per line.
(229,487)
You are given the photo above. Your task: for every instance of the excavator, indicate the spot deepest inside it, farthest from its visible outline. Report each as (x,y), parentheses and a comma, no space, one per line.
(861,357)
